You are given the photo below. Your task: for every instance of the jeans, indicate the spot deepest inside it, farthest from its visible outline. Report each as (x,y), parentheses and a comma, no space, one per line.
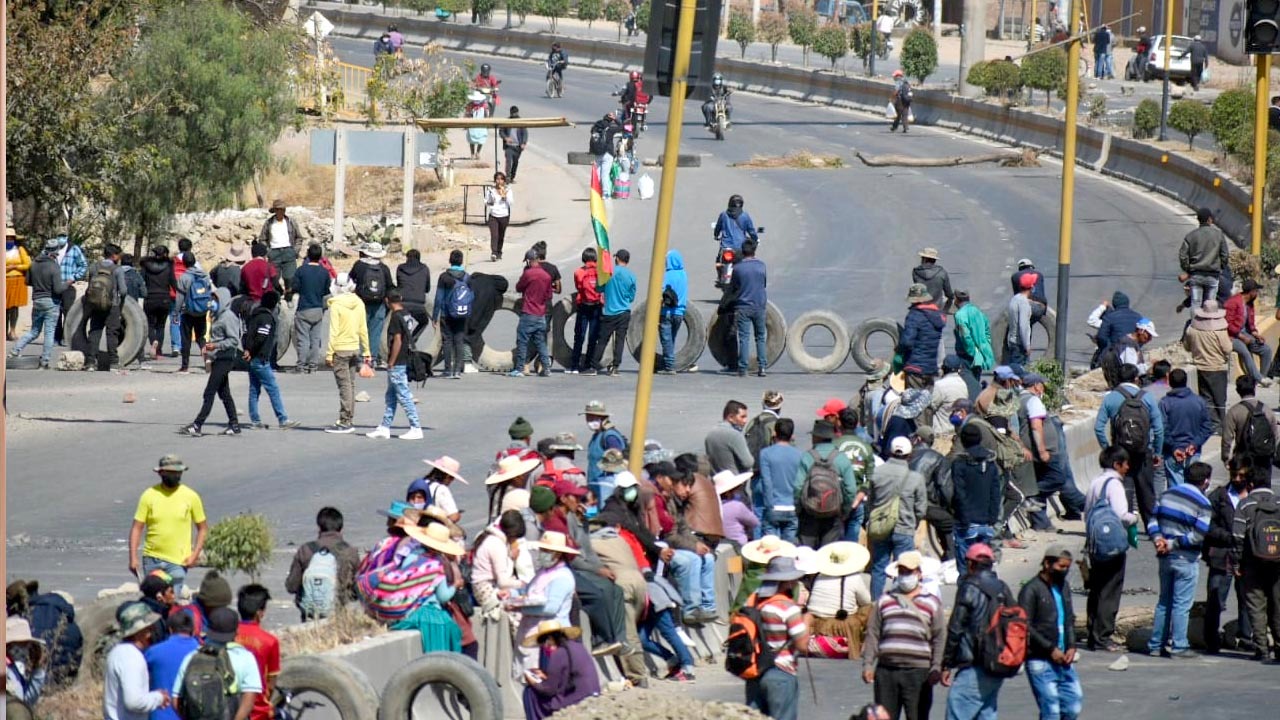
(1056,689)
(307,339)
(853,525)
(1203,287)
(1179,571)
(668,327)
(751,322)
(1219,589)
(1055,478)
(398,392)
(605,163)
(262,377)
(665,625)
(601,600)
(175,328)
(531,330)
(1014,354)
(454,332)
(904,690)
(966,536)
(1175,472)
(219,384)
(782,523)
(44,315)
(586,329)
(512,155)
(177,572)
(1246,351)
(696,579)
(973,696)
(775,694)
(375,315)
(882,551)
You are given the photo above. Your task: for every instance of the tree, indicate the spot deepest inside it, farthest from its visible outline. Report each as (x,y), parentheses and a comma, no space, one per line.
(484,9)
(521,8)
(616,12)
(241,543)
(919,54)
(741,29)
(428,87)
(590,10)
(1190,117)
(864,39)
(1045,70)
(773,30)
(802,26)
(831,42)
(1146,118)
(642,18)
(552,10)
(453,7)
(1231,120)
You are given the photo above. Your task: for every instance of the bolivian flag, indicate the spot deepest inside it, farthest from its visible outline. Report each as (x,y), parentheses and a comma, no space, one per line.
(600,225)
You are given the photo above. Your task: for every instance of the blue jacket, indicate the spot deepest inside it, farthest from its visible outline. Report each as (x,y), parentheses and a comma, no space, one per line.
(620,291)
(778,466)
(678,280)
(1119,321)
(731,233)
(311,282)
(921,333)
(1186,419)
(610,437)
(1111,403)
(748,285)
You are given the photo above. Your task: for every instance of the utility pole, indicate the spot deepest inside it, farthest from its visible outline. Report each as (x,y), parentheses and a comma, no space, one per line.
(1067,212)
(875,37)
(1258,206)
(1168,55)
(4,198)
(973,44)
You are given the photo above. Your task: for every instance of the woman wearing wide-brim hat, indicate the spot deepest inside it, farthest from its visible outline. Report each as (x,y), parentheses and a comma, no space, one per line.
(549,595)
(565,674)
(756,556)
(25,671)
(512,473)
(840,601)
(434,558)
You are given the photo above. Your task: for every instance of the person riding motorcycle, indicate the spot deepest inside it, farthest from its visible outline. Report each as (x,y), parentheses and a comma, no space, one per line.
(487,83)
(718,91)
(382,46)
(633,93)
(557,61)
(733,227)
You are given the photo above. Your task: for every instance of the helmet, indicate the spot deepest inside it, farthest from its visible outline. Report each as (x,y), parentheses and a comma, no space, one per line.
(735,201)
(391,28)
(555,46)
(635,74)
(717,80)
(484,69)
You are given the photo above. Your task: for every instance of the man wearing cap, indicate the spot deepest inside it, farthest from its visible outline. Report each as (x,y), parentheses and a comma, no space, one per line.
(611,467)
(1051,645)
(935,279)
(921,341)
(1210,347)
(895,484)
(280,234)
(1041,432)
(1203,255)
(1140,480)
(973,341)
(1129,348)
(1017,340)
(125,694)
(786,635)
(725,444)
(244,683)
(534,287)
(167,511)
(947,389)
(818,531)
(1039,300)
(973,691)
(903,653)
(1243,328)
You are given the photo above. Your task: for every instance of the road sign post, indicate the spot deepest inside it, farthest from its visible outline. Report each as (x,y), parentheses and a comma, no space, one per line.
(1257,208)
(1067,213)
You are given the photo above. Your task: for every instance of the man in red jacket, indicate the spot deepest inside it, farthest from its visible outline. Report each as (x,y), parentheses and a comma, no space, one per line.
(587,304)
(1243,329)
(534,287)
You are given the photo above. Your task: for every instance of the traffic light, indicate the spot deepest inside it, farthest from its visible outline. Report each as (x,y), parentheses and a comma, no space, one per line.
(1262,27)
(660,51)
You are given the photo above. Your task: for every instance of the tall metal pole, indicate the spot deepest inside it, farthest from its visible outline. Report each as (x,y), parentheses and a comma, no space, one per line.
(875,36)
(1257,208)
(661,233)
(1067,216)
(1031,31)
(1168,55)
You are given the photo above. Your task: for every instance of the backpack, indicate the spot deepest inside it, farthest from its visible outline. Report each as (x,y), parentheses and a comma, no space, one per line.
(884,519)
(319,583)
(746,654)
(759,433)
(419,366)
(1259,438)
(821,495)
(208,686)
(136,287)
(1105,535)
(372,288)
(101,294)
(599,143)
(904,92)
(669,297)
(1002,646)
(1264,531)
(461,298)
(199,295)
(1131,426)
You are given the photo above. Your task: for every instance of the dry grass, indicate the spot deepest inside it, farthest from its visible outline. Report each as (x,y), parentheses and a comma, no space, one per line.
(349,625)
(799,160)
(369,189)
(83,701)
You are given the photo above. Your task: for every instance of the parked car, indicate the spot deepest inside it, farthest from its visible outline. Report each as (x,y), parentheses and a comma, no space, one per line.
(1179,61)
(853,12)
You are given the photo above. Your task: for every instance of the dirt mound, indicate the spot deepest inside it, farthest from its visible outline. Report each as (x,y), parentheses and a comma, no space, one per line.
(655,705)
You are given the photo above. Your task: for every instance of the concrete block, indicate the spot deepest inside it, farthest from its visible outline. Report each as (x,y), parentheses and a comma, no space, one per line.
(382,655)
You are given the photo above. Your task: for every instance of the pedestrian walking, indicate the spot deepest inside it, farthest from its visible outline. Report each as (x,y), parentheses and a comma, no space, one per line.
(785,634)
(825,489)
(1017,341)
(196,300)
(175,317)
(1042,433)
(45,279)
(978,494)
(373,281)
(514,142)
(74,269)
(260,334)
(618,295)
(413,278)
(899,502)
(400,344)
(1188,426)
(974,693)
(103,303)
(1250,429)
(1177,529)
(1202,256)
(1051,641)
(280,234)
(348,347)
(1218,545)
(675,296)
(535,288)
(1246,341)
(973,341)
(1135,423)
(497,203)
(901,101)
(1199,55)
(1210,347)
(587,304)
(903,650)
(223,348)
(1255,533)
(779,464)
(1105,503)
(160,281)
(311,286)
(168,512)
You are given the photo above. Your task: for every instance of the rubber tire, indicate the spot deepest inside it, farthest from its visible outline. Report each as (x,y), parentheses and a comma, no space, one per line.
(795,341)
(560,340)
(858,343)
(466,676)
(133,331)
(433,341)
(1000,326)
(694,330)
(16,710)
(775,339)
(492,360)
(284,330)
(580,158)
(341,683)
(22,362)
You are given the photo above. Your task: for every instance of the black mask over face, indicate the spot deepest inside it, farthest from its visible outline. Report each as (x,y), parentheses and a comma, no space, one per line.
(171,480)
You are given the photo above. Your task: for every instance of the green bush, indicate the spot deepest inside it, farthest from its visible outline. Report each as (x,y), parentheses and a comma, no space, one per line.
(1097,107)
(977,75)
(1045,70)
(616,12)
(552,10)
(452,6)
(1231,120)
(521,8)
(802,26)
(741,29)
(590,10)
(241,543)
(919,54)
(773,30)
(642,17)
(831,43)
(1190,117)
(484,9)
(1003,78)
(1146,118)
(1054,382)
(864,40)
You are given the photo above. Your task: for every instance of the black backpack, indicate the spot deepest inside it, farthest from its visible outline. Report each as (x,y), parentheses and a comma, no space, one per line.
(419,366)
(1259,438)
(373,285)
(208,685)
(599,140)
(1131,426)
(1264,531)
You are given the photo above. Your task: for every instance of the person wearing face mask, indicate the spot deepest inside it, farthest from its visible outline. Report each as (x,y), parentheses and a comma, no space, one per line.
(167,512)
(604,437)
(433,488)
(903,650)
(1051,646)
(1217,550)
(974,692)
(549,595)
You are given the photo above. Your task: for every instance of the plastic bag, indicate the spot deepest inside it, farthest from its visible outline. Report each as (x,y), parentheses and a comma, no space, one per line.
(366,370)
(645,186)
(911,117)
(890,113)
(1204,74)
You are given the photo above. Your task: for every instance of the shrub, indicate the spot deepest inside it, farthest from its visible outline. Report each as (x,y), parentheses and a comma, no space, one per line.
(1190,117)
(642,17)
(919,54)
(1054,382)
(1097,107)
(484,9)
(831,43)
(452,6)
(773,30)
(741,29)
(1045,70)
(553,10)
(521,8)
(1231,119)
(864,40)
(802,26)
(1003,78)
(616,12)
(590,10)
(1146,118)
(241,543)
(977,75)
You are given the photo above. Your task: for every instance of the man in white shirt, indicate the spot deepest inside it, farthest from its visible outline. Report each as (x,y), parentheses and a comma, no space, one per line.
(125,694)
(280,234)
(1106,577)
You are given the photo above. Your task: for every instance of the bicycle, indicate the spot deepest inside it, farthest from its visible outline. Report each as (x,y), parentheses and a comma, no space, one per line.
(555,82)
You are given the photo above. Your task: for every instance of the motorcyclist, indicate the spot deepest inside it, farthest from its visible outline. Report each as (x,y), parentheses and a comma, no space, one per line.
(718,90)
(1141,52)
(487,81)
(557,61)
(734,226)
(884,25)
(633,93)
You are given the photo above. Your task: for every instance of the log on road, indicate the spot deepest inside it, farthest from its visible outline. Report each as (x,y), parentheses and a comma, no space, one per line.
(1015,158)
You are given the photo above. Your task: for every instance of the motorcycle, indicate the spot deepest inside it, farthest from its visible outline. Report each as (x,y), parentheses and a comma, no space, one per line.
(555,80)
(639,114)
(726,258)
(720,124)
(490,95)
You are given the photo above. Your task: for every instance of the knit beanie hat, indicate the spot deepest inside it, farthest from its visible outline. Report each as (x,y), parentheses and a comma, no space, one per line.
(215,591)
(520,429)
(542,499)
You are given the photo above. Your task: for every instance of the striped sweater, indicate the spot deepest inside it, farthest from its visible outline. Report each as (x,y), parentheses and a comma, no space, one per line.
(905,632)
(1181,517)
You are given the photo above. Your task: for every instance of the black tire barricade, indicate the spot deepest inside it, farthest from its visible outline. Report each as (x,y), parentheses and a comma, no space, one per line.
(133,331)
(452,678)
(795,341)
(1000,327)
(346,688)
(720,336)
(691,339)
(864,331)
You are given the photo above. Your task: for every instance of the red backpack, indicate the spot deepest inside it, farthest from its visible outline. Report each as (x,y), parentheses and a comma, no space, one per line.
(1002,646)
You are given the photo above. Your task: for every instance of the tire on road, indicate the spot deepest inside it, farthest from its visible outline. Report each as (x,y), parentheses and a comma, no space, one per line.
(864,331)
(133,333)
(429,341)
(828,363)
(562,342)
(345,686)
(284,330)
(720,335)
(465,676)
(694,332)
(580,158)
(1000,328)
(22,362)
(492,359)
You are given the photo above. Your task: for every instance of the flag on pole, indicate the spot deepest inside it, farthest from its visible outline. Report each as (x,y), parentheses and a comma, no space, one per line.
(600,226)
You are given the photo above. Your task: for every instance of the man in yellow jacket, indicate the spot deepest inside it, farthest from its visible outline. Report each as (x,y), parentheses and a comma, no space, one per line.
(348,343)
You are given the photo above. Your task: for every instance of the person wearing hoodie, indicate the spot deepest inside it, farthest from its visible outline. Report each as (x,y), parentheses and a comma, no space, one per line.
(673,304)
(935,278)
(921,337)
(194,322)
(977,494)
(348,337)
(973,341)
(260,334)
(1188,425)
(413,278)
(45,279)
(1114,320)
(158,276)
(224,347)
(373,279)
(453,330)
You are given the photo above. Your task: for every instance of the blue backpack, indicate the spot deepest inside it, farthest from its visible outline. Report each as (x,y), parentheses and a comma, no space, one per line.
(1105,535)
(461,298)
(199,295)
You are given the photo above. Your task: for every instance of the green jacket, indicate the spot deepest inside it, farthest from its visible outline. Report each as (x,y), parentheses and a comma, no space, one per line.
(848,484)
(863,458)
(973,337)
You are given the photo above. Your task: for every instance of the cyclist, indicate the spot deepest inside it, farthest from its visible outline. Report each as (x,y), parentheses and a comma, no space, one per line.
(557,61)
(718,91)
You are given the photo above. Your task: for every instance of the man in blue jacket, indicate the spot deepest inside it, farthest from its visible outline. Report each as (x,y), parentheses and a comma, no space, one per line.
(1187,427)
(1115,320)
(1140,481)
(921,335)
(673,303)
(618,294)
(750,300)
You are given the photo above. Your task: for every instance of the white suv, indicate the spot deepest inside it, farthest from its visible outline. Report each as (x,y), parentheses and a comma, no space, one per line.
(1179,62)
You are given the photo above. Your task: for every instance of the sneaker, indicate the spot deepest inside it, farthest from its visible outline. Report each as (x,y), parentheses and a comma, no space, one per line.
(454,376)
(664,372)
(290,424)
(708,616)
(382,432)
(192,430)
(612,371)
(1184,654)
(761,373)
(570,371)
(413,434)
(590,372)
(680,676)
(742,373)
(515,373)
(612,648)
(380,365)
(259,426)
(544,373)
(184,371)
(470,369)
(339,429)
(1266,382)
(14,353)
(233,430)
(1157,653)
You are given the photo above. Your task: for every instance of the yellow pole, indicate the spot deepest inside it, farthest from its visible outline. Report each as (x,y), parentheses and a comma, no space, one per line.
(1257,216)
(1031,31)
(875,37)
(1168,56)
(661,233)
(1067,216)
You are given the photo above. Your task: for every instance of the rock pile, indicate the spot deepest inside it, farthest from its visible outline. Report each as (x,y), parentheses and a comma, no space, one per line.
(639,704)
